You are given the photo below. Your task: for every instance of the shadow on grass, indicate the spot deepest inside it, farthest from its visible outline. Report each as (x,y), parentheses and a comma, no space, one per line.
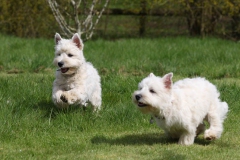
(51,111)
(134,139)
(142,139)
(172,155)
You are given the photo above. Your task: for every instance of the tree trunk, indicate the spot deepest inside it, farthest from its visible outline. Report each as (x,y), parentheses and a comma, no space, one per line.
(201,17)
(236,27)
(143,17)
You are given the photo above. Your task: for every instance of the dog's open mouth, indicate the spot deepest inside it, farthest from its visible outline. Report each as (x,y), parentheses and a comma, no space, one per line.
(63,70)
(141,104)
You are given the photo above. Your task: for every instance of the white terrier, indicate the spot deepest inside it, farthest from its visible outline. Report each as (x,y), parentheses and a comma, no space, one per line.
(180,108)
(77,81)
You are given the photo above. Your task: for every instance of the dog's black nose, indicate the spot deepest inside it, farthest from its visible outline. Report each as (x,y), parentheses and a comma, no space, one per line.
(60,64)
(138,96)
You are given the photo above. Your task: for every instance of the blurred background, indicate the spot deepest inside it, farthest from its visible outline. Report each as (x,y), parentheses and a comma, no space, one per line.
(126,18)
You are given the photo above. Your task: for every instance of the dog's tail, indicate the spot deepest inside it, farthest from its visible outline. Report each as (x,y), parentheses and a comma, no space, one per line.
(223,110)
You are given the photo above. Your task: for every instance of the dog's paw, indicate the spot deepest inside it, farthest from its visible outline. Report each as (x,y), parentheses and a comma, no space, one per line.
(72,101)
(210,138)
(209,135)
(64,99)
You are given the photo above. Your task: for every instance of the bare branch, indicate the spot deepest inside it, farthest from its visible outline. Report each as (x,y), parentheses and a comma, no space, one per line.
(97,20)
(88,20)
(76,19)
(85,26)
(59,18)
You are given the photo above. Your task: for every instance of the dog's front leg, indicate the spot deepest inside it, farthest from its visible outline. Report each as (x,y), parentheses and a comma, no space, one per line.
(56,97)
(56,94)
(187,139)
(73,96)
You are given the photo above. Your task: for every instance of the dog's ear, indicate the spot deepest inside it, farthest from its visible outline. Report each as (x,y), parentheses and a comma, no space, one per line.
(151,75)
(77,40)
(167,80)
(57,38)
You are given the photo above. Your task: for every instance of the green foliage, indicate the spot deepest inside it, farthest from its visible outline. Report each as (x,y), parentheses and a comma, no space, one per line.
(203,15)
(231,7)
(27,18)
(32,128)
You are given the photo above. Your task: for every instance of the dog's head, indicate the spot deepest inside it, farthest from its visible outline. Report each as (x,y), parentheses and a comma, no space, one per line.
(153,93)
(68,54)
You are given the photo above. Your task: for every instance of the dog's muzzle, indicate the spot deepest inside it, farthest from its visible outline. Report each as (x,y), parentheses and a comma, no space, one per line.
(138,97)
(60,64)
(140,104)
(63,70)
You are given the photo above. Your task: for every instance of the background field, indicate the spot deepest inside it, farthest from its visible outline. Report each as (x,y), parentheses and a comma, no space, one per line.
(32,128)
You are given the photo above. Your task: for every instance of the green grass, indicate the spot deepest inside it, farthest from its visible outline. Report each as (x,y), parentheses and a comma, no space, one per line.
(32,128)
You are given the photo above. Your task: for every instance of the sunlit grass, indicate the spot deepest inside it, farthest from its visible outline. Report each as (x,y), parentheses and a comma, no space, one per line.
(32,128)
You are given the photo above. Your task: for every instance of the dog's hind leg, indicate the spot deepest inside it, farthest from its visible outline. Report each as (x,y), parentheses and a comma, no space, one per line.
(96,100)
(215,122)
(223,110)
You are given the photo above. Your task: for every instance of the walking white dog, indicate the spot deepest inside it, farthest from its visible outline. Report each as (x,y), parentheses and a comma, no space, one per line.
(180,108)
(77,81)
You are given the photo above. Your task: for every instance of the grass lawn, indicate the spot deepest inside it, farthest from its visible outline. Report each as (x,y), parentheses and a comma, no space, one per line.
(32,128)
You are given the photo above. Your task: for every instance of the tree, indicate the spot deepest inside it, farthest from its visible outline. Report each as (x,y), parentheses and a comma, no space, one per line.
(231,8)
(78,16)
(202,16)
(24,18)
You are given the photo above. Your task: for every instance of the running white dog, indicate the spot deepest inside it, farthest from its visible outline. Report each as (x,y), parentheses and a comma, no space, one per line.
(180,108)
(77,81)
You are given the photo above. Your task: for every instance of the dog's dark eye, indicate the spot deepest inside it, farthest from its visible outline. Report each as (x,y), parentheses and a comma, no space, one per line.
(58,54)
(70,55)
(152,91)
